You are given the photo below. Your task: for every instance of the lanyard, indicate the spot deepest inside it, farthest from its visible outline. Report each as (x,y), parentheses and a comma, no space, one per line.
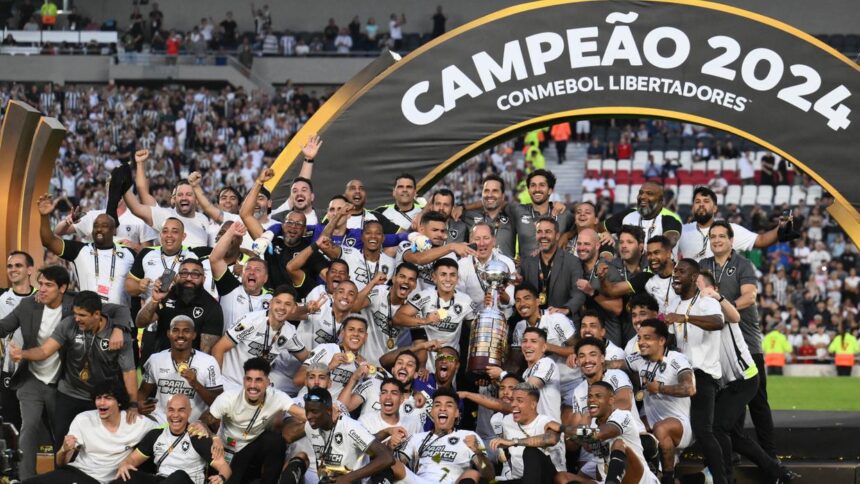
(718,278)
(112,263)
(268,343)
(328,443)
(163,263)
(170,449)
(705,243)
(668,288)
(651,228)
(371,275)
(650,375)
(254,418)
(687,313)
(541,282)
(426,443)
(190,358)
(439,303)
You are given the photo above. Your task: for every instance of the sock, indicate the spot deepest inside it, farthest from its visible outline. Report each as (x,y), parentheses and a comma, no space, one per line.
(617,466)
(121,180)
(295,471)
(649,446)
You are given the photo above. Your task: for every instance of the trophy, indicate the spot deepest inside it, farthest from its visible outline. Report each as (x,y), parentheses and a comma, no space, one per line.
(488,342)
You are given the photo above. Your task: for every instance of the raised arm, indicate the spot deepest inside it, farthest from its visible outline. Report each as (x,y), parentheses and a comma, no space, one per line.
(309,151)
(40,353)
(381,458)
(686,386)
(219,252)
(50,241)
(221,348)
(211,211)
(429,256)
(491,403)
(246,211)
(140,179)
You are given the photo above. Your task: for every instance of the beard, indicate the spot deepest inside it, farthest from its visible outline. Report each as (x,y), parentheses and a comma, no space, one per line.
(188,294)
(648,211)
(702,218)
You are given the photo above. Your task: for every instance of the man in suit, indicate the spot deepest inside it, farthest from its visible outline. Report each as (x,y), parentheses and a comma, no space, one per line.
(554,272)
(35,383)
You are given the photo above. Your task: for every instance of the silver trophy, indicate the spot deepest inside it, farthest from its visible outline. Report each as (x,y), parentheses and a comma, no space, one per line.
(488,343)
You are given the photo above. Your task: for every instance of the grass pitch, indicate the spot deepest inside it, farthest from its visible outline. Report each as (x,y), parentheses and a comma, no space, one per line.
(805,393)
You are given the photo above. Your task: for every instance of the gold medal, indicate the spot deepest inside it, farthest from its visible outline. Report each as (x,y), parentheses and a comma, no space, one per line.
(442,312)
(542,298)
(390,343)
(181,367)
(350,356)
(371,370)
(84,374)
(640,395)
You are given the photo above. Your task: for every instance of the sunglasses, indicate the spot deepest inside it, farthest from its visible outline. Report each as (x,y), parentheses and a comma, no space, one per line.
(446,358)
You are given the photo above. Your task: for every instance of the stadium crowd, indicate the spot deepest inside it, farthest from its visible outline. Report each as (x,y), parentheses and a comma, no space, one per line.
(292,345)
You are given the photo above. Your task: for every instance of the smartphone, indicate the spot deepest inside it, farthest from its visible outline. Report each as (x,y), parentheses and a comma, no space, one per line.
(786,213)
(166,279)
(473,246)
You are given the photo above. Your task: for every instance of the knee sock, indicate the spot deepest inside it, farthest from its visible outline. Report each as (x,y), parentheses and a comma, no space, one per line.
(294,472)
(617,465)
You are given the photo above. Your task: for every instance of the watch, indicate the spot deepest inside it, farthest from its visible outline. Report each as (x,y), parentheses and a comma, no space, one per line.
(722,298)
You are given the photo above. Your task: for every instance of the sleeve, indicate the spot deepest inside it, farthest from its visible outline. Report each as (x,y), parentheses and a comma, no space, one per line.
(470,311)
(544,370)
(621,419)
(393,240)
(118,316)
(64,331)
(637,282)
(295,345)
(159,216)
(146,233)
(213,378)
(619,380)
(680,363)
(360,437)
(227,283)
(147,445)
(563,327)
(744,238)
(363,389)
(613,224)
(671,223)
(220,406)
(388,227)
(76,428)
(126,356)
(12,321)
(746,273)
(419,302)
(149,372)
(214,324)
(240,330)
(318,354)
(577,297)
(71,249)
(711,307)
(284,401)
(203,447)
(136,270)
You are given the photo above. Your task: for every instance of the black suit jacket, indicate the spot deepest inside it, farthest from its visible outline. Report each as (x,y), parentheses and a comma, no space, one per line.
(562,291)
(28,316)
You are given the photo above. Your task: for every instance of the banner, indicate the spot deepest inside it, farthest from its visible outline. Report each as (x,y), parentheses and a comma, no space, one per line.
(536,63)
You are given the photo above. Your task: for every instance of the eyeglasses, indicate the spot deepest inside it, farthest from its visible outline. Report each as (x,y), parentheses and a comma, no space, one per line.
(293,223)
(446,358)
(191,274)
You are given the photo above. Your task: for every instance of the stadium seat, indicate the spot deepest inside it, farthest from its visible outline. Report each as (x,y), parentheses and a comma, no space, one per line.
(733,194)
(685,195)
(640,155)
(658,157)
(686,160)
(700,166)
(634,192)
(721,199)
(622,193)
(624,165)
(589,197)
(671,155)
(593,166)
(765,195)
(730,165)
(639,166)
(624,177)
(714,167)
(782,195)
(748,195)
(813,193)
(609,166)
(798,195)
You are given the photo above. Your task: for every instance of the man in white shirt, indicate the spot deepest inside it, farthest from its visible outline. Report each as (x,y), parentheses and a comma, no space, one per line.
(390,426)
(529,440)
(659,286)
(342,445)
(264,334)
(146,207)
(131,231)
(446,455)
(19,273)
(472,267)
(243,417)
(433,227)
(541,372)
(696,322)
(180,370)
(667,382)
(238,297)
(694,235)
(98,440)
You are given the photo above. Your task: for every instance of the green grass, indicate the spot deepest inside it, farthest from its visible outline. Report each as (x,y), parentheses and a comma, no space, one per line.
(806,393)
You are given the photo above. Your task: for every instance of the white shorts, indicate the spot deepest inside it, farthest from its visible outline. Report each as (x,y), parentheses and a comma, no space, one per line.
(687,438)
(583,127)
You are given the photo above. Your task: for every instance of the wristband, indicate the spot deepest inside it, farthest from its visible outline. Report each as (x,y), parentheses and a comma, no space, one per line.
(721,299)
(132,405)
(307,160)
(315,246)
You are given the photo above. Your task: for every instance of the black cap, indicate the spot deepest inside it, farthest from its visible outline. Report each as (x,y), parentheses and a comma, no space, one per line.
(265,192)
(320,395)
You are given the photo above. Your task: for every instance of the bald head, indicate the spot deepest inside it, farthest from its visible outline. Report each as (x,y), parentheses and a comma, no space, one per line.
(179,400)
(587,245)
